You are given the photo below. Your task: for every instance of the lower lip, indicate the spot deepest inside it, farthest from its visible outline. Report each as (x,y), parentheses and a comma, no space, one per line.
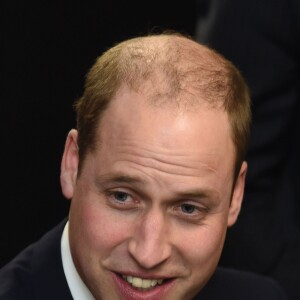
(128,292)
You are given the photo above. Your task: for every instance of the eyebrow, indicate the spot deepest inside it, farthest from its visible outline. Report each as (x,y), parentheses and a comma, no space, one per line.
(208,196)
(198,193)
(118,178)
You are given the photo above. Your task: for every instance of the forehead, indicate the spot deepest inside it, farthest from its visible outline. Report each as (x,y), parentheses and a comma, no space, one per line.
(134,126)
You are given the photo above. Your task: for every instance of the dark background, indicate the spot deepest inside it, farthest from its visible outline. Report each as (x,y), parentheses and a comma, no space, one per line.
(47,48)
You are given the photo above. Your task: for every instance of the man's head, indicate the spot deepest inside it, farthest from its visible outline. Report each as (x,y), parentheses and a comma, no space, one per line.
(162,126)
(181,72)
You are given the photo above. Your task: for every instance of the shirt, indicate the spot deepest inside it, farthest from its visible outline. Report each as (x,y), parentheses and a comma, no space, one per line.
(77,287)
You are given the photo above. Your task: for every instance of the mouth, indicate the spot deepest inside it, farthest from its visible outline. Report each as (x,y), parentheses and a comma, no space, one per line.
(137,287)
(142,283)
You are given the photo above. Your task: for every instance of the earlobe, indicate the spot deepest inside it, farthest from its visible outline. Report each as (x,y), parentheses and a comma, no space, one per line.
(69,165)
(237,195)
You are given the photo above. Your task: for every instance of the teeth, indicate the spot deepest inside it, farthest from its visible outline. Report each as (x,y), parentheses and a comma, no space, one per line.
(142,283)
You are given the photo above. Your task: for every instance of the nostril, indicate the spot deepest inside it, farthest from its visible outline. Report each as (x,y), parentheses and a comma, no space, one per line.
(149,258)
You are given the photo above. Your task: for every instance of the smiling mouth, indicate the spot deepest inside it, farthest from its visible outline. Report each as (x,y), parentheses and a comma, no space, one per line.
(142,283)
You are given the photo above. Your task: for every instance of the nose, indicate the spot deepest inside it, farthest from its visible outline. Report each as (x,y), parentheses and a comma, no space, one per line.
(150,244)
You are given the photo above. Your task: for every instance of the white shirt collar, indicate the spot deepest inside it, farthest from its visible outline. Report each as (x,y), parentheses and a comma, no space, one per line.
(77,287)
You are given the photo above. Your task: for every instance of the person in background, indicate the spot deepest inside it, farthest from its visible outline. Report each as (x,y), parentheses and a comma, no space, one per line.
(262,38)
(155,172)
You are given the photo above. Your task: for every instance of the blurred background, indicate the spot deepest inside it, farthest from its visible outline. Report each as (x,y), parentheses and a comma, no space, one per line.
(47,48)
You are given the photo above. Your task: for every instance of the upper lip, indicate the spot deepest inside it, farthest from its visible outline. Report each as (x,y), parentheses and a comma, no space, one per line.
(143,275)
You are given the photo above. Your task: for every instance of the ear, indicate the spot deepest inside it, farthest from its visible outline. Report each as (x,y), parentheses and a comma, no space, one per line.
(237,195)
(69,165)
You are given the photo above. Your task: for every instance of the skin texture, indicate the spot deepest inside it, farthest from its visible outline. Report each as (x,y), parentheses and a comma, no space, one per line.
(155,198)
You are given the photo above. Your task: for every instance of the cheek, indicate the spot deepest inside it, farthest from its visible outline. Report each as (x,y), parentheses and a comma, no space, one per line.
(96,228)
(203,247)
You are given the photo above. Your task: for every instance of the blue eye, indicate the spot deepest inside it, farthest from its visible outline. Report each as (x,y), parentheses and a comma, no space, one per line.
(188,208)
(120,196)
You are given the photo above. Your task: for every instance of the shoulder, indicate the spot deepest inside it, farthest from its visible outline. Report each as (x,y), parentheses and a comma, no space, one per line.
(236,285)
(33,269)
(15,277)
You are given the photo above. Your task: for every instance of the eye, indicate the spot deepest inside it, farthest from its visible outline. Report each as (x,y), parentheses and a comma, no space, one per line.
(122,200)
(190,212)
(120,196)
(188,208)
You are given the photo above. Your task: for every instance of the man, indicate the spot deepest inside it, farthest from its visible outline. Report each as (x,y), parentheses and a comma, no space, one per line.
(155,172)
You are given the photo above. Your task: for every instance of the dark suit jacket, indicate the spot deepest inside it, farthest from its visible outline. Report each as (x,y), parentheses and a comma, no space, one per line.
(37,274)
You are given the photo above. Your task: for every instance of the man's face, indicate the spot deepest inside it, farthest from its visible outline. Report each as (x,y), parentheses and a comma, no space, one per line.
(151,206)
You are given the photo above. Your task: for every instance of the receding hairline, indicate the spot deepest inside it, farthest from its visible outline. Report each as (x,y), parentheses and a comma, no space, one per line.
(173,69)
(176,65)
